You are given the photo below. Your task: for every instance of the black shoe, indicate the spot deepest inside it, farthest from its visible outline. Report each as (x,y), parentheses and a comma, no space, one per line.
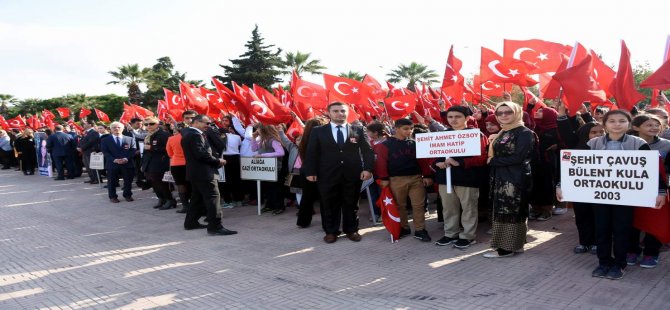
(422,235)
(444,241)
(59,179)
(200,226)
(404,232)
(222,232)
(168,205)
(464,243)
(601,271)
(615,273)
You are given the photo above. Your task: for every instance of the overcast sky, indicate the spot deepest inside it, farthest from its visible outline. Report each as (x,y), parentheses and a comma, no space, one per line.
(53,48)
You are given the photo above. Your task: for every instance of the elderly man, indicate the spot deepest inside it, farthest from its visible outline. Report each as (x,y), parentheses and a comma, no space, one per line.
(119,151)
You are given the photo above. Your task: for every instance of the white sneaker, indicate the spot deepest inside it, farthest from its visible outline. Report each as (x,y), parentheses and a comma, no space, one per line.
(494,254)
(227,206)
(559,211)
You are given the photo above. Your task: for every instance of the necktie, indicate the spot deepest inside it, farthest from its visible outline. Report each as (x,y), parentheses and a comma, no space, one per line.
(340,136)
(118,141)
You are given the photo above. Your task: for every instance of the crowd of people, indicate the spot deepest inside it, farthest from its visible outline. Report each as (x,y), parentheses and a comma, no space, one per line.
(515,179)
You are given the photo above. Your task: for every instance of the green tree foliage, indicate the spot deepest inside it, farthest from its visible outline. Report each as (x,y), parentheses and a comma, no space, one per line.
(300,63)
(130,76)
(352,75)
(163,75)
(110,104)
(412,73)
(641,72)
(258,65)
(6,100)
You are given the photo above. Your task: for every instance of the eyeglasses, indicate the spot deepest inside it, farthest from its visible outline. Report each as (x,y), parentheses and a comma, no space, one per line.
(502,113)
(149,124)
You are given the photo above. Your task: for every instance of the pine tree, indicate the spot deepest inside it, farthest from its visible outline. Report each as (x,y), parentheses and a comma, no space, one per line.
(259,65)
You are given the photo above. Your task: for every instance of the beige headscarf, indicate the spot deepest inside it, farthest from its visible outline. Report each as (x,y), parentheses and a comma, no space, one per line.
(518,121)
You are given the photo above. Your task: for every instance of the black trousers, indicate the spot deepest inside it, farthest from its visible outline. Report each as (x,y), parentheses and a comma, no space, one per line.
(113,175)
(232,189)
(86,157)
(204,201)
(339,203)
(613,229)
(6,158)
(310,193)
(273,194)
(652,246)
(67,161)
(585,221)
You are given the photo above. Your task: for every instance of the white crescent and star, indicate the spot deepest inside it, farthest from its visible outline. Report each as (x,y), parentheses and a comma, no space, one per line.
(484,86)
(299,91)
(393,105)
(336,86)
(517,53)
(394,218)
(492,66)
(174,100)
(264,108)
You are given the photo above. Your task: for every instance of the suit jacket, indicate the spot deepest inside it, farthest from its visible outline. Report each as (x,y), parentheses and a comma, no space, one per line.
(201,164)
(61,144)
(326,160)
(112,151)
(90,142)
(156,160)
(215,141)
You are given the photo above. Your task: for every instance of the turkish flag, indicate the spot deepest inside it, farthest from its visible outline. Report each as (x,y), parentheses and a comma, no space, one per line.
(128,113)
(216,105)
(399,107)
(195,100)
(234,103)
(505,70)
(390,214)
(63,112)
(277,107)
(529,97)
(376,90)
(162,110)
(623,88)
(141,112)
(602,73)
(655,221)
(47,114)
(487,88)
(260,110)
(3,123)
(78,129)
(33,122)
(343,90)
(545,55)
(84,113)
(16,123)
(295,130)
(173,100)
(102,116)
(452,71)
(550,88)
(579,86)
(660,79)
(578,54)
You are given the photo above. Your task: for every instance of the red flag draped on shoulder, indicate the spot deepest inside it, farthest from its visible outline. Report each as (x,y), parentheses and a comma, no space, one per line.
(545,55)
(579,86)
(102,116)
(399,107)
(390,214)
(84,113)
(623,87)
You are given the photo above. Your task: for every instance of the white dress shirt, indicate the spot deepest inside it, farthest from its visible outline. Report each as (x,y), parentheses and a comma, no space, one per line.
(333,128)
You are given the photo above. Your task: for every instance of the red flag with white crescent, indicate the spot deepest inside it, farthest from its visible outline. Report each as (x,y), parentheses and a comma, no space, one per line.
(399,107)
(63,112)
(294,131)
(84,112)
(544,54)
(102,116)
(390,213)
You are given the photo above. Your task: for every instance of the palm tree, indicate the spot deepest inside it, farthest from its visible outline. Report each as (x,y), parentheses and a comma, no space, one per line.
(352,75)
(5,100)
(130,76)
(300,62)
(413,73)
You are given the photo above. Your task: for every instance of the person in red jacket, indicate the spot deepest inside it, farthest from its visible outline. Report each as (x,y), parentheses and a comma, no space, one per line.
(398,167)
(460,207)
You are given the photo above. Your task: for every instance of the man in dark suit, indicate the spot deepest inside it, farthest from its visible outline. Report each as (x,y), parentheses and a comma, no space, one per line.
(88,144)
(62,148)
(202,171)
(135,130)
(119,151)
(339,158)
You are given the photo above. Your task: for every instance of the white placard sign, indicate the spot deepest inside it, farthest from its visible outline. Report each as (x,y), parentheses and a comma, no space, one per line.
(454,143)
(627,178)
(258,168)
(97,161)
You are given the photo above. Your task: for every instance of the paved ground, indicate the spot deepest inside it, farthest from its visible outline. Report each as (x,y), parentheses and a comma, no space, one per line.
(64,246)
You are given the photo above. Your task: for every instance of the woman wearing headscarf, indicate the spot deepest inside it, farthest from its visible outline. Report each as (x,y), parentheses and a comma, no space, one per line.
(545,165)
(509,158)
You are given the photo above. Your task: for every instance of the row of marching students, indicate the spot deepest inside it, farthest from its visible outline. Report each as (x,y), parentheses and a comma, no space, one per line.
(613,232)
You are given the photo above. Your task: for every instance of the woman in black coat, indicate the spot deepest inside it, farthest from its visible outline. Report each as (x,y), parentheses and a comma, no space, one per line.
(25,146)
